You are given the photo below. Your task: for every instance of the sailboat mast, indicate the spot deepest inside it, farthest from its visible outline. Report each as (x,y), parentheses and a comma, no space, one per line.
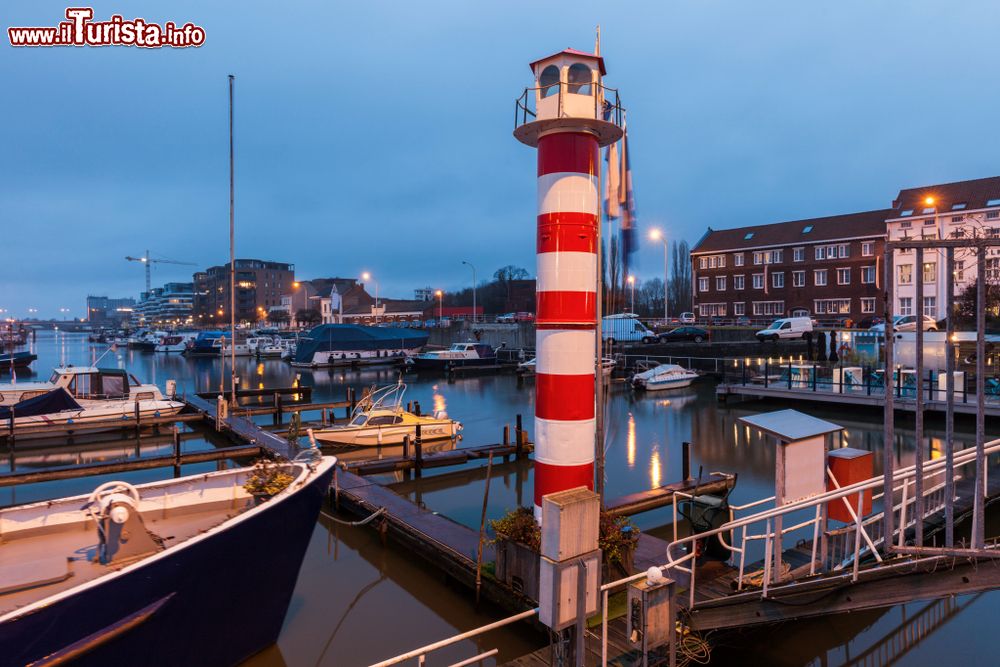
(232,253)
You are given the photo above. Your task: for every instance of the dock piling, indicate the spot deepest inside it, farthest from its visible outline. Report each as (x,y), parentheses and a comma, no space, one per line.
(518,438)
(418,463)
(686,460)
(177,451)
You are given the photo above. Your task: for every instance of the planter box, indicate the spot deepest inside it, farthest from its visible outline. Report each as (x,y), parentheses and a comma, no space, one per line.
(615,571)
(517,566)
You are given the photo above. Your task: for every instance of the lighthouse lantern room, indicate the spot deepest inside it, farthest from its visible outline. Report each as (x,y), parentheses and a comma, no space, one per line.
(567,115)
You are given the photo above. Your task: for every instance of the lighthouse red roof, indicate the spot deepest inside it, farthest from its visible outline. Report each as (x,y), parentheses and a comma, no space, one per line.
(573,52)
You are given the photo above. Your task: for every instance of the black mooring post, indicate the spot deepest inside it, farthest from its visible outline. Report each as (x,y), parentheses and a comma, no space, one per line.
(518,438)
(177,452)
(419,452)
(686,460)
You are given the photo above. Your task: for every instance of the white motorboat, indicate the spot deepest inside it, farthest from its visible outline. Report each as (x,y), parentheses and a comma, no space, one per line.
(380,419)
(607,366)
(175,342)
(664,376)
(458,355)
(82,395)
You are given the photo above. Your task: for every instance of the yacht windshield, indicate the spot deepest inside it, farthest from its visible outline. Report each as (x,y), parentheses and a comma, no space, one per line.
(359,420)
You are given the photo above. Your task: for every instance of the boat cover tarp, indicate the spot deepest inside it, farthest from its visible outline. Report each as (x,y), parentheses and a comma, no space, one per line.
(52,401)
(356,338)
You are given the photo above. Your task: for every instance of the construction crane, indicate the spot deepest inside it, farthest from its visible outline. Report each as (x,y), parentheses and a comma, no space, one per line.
(147,260)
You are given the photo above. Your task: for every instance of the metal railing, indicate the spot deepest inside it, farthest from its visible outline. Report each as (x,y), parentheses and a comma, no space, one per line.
(864,544)
(525,105)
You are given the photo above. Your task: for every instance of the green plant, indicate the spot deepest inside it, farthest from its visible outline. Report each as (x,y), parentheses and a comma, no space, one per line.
(617,537)
(518,525)
(267,479)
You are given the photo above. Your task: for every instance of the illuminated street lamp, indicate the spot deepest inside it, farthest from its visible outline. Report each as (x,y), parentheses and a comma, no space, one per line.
(473,289)
(631,282)
(440,295)
(657,235)
(366,277)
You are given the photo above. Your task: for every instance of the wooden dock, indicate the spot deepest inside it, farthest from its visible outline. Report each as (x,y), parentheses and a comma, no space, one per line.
(666,495)
(965,404)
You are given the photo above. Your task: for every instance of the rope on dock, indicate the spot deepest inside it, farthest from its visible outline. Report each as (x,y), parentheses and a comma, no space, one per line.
(377,513)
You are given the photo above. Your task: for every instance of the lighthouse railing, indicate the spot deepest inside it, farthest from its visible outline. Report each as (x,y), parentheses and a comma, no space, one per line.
(526,111)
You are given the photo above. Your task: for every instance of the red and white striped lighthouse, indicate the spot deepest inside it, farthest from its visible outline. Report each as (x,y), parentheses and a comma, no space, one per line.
(564,117)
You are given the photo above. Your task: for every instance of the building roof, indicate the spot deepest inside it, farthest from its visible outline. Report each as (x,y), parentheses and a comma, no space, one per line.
(850,225)
(573,52)
(975,194)
(790,425)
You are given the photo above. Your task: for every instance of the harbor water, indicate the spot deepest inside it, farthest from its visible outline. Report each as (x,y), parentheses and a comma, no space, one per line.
(358,601)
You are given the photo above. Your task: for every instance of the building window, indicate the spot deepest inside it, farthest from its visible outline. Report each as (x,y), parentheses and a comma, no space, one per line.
(758,258)
(758,281)
(778,279)
(905,274)
(957,218)
(720,283)
(843,276)
(867,275)
(579,79)
(738,259)
(798,278)
(739,308)
(930,306)
(867,304)
(702,284)
(777,256)
(844,250)
(832,306)
(703,262)
(549,81)
(930,272)
(768,307)
(906,305)
(819,277)
(906,225)
(798,254)
(821,252)
(737,282)
(867,249)
(807,229)
(712,309)
(959,271)
(992,215)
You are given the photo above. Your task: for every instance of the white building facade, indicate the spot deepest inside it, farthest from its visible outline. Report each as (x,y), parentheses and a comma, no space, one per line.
(946,211)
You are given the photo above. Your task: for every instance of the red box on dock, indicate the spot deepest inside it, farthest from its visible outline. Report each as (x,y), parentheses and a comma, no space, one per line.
(849,466)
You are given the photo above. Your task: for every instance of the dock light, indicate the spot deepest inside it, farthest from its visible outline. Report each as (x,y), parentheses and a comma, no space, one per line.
(736,363)
(800,358)
(954,338)
(781,359)
(760,362)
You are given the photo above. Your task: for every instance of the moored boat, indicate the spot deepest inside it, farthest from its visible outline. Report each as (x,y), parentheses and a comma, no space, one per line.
(664,376)
(17,360)
(458,355)
(175,342)
(528,367)
(380,419)
(182,571)
(356,345)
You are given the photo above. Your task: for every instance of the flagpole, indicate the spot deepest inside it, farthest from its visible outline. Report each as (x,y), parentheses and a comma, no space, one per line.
(599,361)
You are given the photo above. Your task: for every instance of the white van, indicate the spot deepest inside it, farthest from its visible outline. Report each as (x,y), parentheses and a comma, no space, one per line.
(787,328)
(625,328)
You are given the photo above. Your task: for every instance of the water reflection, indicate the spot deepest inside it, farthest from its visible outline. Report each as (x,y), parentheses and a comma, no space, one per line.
(654,468)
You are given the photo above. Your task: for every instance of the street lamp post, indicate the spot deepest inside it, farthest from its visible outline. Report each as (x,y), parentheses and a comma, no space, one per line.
(657,235)
(366,277)
(440,295)
(631,282)
(473,289)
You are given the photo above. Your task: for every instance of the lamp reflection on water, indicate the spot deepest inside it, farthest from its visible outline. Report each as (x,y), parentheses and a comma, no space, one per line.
(655,474)
(630,442)
(439,403)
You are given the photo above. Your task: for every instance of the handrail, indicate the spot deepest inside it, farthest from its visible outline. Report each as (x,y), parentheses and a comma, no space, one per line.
(423,650)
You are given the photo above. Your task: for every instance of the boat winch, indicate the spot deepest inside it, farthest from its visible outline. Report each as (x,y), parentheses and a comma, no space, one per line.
(121,532)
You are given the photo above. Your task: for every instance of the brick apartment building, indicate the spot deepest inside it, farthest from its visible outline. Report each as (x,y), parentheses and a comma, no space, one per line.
(824,267)
(259,286)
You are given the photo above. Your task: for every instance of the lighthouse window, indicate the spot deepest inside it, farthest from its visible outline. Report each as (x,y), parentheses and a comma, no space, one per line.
(579,79)
(549,81)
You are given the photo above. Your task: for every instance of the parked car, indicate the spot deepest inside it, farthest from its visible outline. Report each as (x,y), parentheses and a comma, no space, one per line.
(507,318)
(869,322)
(625,328)
(787,328)
(687,318)
(907,323)
(696,334)
(742,321)
(524,317)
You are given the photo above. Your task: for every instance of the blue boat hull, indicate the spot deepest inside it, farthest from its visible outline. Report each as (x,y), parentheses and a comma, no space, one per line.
(214,602)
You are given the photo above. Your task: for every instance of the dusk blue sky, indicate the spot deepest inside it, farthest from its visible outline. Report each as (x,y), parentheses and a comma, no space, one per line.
(376,136)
